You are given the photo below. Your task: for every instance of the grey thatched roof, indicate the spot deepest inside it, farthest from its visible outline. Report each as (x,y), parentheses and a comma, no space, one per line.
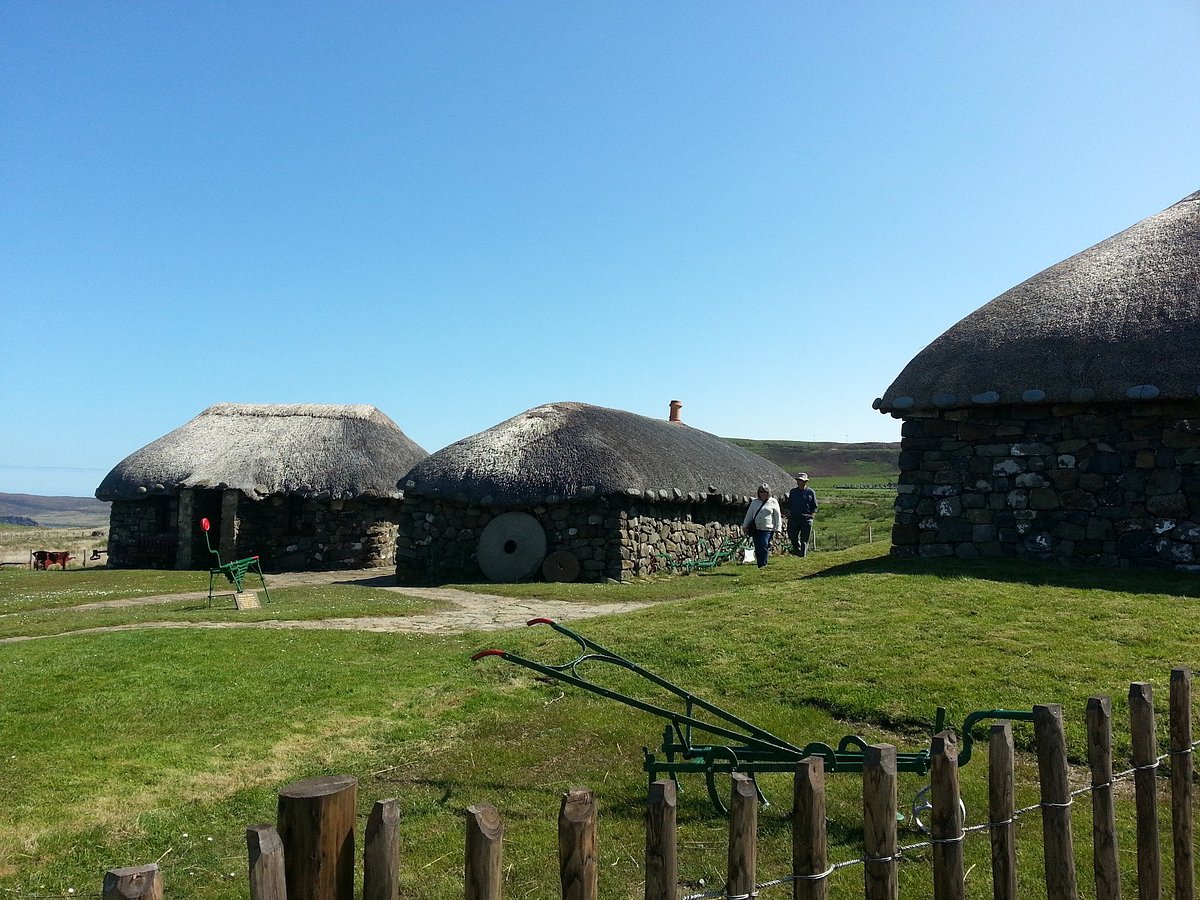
(567,451)
(309,450)
(1119,321)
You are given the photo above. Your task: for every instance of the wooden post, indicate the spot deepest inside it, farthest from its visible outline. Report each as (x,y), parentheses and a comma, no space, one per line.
(485,853)
(946,820)
(1105,863)
(133,883)
(1145,751)
(1181,783)
(577,865)
(810,851)
(381,852)
(1001,807)
(662,844)
(1056,802)
(880,872)
(743,836)
(265,849)
(316,826)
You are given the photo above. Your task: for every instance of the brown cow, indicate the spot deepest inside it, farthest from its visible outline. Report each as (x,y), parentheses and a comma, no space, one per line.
(44,559)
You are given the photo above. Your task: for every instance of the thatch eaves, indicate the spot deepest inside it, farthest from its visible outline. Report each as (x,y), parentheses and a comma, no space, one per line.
(574,451)
(1119,321)
(308,450)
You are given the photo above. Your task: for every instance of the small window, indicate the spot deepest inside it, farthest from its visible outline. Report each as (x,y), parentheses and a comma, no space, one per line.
(162,514)
(297,520)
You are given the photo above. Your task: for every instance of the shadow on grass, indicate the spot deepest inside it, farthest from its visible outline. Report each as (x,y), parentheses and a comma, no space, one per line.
(1028,572)
(374,581)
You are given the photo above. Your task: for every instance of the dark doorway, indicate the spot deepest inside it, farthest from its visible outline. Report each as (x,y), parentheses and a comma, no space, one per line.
(205,505)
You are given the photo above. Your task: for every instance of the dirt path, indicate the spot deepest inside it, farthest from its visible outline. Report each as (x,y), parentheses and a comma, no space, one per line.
(464,610)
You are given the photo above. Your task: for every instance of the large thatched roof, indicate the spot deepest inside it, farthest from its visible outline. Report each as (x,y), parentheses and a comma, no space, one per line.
(1119,321)
(309,450)
(566,451)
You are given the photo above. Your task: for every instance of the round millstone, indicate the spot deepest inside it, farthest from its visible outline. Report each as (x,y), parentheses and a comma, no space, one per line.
(511,547)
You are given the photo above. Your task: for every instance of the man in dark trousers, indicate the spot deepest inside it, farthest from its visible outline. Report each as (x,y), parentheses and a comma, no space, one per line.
(802,506)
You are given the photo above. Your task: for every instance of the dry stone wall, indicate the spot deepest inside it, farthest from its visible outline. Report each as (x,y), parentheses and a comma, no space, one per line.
(1112,484)
(320,534)
(612,537)
(142,533)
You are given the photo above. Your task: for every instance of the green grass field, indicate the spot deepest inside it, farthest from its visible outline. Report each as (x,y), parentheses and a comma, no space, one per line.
(147,745)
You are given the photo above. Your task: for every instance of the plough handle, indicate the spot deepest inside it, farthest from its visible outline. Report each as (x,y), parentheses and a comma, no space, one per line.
(482,653)
(692,701)
(591,651)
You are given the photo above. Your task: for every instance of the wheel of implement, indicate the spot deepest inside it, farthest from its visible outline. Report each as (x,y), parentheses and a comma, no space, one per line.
(511,547)
(562,565)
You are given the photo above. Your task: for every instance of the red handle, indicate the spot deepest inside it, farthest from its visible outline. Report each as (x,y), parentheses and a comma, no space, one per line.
(482,653)
(541,620)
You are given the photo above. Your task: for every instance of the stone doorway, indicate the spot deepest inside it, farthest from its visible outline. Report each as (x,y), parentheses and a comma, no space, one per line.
(196,504)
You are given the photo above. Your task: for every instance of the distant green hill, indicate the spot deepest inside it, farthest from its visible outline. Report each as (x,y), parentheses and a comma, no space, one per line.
(875,463)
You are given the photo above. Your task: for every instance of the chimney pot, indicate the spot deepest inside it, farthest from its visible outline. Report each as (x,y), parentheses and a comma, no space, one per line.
(675,407)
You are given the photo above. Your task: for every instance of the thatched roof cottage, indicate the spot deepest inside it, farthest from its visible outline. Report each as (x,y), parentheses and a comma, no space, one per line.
(1062,419)
(304,486)
(569,490)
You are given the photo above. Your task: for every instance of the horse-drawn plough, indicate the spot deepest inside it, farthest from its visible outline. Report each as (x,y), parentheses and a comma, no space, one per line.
(706,739)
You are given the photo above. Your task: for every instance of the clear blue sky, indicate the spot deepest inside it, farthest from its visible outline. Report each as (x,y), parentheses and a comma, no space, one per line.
(457,211)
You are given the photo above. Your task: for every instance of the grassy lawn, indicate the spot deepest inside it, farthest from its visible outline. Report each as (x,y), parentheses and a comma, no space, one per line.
(34,604)
(164,744)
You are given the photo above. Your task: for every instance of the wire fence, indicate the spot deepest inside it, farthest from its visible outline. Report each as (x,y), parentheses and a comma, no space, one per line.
(960,838)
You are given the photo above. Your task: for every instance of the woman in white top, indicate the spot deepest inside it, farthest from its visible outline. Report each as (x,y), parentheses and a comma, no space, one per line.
(763,521)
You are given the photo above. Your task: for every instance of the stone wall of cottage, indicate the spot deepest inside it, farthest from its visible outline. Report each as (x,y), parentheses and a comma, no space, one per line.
(143,533)
(1112,484)
(299,534)
(289,534)
(612,537)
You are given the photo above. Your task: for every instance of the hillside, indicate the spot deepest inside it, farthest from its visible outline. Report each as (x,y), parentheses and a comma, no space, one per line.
(56,512)
(868,462)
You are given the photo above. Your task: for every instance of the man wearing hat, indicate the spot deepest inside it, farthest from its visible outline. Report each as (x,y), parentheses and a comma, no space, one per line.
(802,506)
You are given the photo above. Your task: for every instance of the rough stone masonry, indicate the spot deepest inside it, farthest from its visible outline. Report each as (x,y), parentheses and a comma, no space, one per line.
(1107,484)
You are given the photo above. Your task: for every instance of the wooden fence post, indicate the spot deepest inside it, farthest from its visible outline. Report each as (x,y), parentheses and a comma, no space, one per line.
(743,837)
(316,826)
(1056,802)
(1145,752)
(265,851)
(381,852)
(880,872)
(485,853)
(1181,783)
(133,883)
(662,843)
(577,864)
(810,851)
(1001,808)
(1105,863)
(946,820)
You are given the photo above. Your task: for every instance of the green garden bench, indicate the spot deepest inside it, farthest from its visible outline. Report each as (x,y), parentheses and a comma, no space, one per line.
(234,572)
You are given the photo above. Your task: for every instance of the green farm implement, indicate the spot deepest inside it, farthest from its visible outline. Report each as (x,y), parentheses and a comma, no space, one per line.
(703,738)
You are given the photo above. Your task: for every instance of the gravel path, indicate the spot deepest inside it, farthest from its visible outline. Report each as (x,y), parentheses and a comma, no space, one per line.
(464,610)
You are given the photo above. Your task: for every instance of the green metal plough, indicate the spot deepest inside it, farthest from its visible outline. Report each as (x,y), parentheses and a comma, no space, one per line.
(704,738)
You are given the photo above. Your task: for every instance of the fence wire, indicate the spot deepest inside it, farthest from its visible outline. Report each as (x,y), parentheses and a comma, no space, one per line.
(922,845)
